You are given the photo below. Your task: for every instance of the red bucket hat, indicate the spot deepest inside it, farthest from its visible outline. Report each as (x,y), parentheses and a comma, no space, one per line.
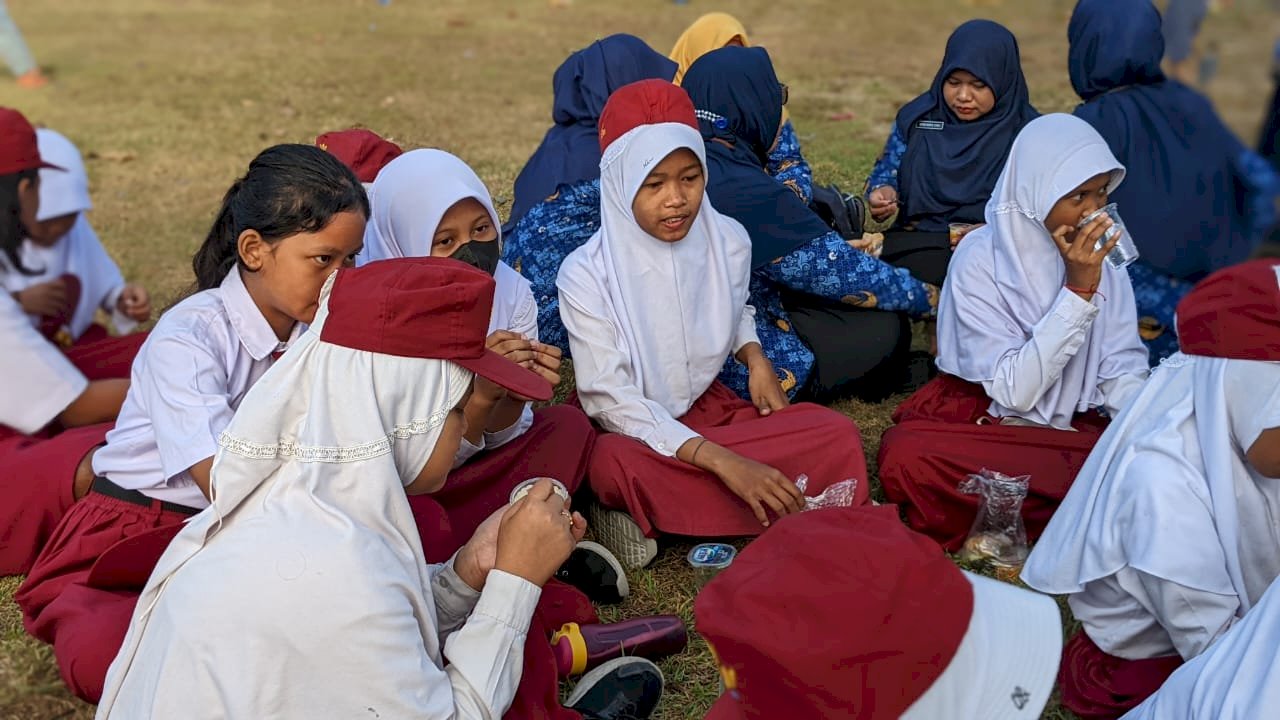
(424,308)
(18,148)
(845,613)
(1233,313)
(364,151)
(646,102)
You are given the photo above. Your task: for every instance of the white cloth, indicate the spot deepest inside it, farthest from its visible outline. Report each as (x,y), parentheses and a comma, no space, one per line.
(1004,319)
(79,252)
(410,197)
(1168,493)
(303,591)
(651,323)
(39,381)
(191,374)
(1236,679)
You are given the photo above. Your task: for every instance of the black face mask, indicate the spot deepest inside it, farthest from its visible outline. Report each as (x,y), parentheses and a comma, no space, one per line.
(482,255)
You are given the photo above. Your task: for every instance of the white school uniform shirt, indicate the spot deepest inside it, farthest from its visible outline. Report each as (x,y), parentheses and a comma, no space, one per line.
(187,381)
(1238,678)
(651,323)
(1168,535)
(39,381)
(409,198)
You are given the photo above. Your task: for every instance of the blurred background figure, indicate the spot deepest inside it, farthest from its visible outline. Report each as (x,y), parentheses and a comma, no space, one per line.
(16,53)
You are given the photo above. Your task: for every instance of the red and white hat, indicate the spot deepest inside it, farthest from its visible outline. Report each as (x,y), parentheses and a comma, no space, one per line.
(1234,313)
(364,151)
(845,613)
(646,102)
(18,148)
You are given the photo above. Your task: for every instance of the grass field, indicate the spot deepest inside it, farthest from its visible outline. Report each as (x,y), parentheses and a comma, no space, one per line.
(170,99)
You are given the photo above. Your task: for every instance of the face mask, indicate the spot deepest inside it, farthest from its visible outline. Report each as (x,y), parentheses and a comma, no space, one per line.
(482,255)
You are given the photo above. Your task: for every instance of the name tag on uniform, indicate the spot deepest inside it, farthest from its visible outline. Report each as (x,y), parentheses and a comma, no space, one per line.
(931,125)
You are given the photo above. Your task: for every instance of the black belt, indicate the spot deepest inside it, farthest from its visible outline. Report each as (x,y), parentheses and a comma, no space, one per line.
(103,486)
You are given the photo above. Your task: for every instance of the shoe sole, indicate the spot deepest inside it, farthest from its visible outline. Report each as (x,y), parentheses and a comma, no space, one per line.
(624,589)
(621,536)
(588,681)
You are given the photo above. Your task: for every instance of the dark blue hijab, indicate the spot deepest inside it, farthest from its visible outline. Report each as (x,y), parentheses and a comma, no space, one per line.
(951,166)
(570,151)
(1183,199)
(739,104)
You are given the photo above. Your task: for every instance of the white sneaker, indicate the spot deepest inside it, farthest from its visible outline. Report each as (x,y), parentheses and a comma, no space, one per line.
(623,537)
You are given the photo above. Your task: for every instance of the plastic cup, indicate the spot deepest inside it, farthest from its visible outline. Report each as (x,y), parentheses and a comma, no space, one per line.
(1125,251)
(956,231)
(523,489)
(708,559)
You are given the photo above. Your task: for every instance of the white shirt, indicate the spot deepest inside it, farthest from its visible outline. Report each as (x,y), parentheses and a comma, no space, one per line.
(39,381)
(187,381)
(1238,678)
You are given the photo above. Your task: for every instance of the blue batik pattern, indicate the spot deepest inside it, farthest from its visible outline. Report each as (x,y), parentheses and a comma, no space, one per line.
(1157,296)
(789,167)
(885,171)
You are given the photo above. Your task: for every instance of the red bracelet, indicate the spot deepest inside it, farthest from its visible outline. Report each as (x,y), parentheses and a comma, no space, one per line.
(1091,291)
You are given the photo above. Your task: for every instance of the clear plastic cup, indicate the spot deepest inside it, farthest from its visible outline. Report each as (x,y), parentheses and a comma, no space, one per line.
(523,489)
(956,231)
(1125,251)
(708,559)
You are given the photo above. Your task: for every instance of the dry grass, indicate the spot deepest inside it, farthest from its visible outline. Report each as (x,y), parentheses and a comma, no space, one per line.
(169,99)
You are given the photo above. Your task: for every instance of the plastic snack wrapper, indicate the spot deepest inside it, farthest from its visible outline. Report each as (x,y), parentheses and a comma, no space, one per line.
(837,495)
(998,535)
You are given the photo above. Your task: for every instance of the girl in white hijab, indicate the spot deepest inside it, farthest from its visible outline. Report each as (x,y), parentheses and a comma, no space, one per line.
(62,244)
(1172,532)
(303,590)
(1035,333)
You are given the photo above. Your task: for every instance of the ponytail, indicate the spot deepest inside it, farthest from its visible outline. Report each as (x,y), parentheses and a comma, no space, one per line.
(220,250)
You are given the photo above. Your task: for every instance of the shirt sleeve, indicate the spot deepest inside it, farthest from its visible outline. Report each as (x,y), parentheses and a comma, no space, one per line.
(831,268)
(454,598)
(1252,410)
(885,171)
(788,166)
(39,381)
(606,385)
(1024,375)
(1193,618)
(747,333)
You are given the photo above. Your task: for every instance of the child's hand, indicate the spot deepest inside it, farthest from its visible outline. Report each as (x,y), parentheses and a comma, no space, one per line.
(761,487)
(536,535)
(46,299)
(546,362)
(766,390)
(1084,264)
(134,303)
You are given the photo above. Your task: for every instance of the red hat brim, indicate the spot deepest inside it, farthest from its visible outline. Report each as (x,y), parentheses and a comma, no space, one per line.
(497,369)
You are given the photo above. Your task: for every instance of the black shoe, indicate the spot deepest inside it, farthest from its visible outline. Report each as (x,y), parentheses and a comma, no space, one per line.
(626,688)
(595,571)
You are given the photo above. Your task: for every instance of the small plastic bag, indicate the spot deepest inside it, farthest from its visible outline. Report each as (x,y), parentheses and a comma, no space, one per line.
(837,495)
(998,535)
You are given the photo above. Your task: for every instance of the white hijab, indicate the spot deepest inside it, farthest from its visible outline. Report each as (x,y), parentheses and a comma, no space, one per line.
(408,200)
(1006,275)
(261,606)
(676,307)
(79,252)
(1168,491)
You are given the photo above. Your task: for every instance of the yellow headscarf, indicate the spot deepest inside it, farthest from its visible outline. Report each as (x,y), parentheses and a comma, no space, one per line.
(709,32)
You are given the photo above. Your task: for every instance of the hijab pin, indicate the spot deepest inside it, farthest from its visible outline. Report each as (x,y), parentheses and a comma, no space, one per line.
(719,122)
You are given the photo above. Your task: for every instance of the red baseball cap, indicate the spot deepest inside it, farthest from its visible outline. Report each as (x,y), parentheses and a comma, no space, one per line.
(18,148)
(364,151)
(846,613)
(1233,313)
(647,102)
(424,308)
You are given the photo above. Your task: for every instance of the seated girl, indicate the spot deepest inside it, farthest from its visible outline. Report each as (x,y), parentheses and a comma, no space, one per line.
(1169,536)
(714,31)
(948,146)
(296,215)
(1196,199)
(833,319)
(428,203)
(1035,333)
(62,276)
(309,555)
(51,416)
(654,304)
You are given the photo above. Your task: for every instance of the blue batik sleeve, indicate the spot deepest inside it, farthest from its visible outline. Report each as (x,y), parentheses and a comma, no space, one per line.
(885,171)
(789,167)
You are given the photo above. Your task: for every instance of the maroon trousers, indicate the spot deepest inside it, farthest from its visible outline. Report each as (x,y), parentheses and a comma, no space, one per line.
(666,495)
(1098,686)
(943,434)
(100,356)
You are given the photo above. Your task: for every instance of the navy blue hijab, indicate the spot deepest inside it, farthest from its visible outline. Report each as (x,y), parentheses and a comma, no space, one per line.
(951,166)
(570,151)
(739,104)
(1183,199)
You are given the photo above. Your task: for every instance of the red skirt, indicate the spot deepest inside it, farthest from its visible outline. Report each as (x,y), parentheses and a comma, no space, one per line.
(100,356)
(944,434)
(64,601)
(666,495)
(1098,686)
(37,473)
